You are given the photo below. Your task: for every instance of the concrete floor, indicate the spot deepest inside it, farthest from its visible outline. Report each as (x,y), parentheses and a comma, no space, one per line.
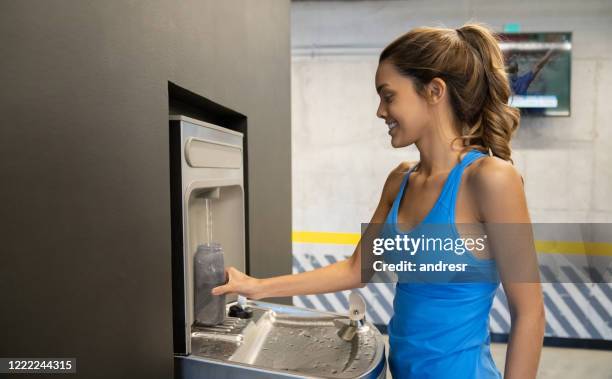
(559,362)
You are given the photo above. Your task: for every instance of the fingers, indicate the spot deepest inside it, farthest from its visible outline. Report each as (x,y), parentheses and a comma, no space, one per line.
(221,290)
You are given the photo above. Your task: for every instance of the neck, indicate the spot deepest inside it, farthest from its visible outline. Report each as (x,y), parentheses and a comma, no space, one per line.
(439,153)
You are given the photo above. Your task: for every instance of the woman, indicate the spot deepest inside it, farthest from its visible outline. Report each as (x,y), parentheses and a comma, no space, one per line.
(445,91)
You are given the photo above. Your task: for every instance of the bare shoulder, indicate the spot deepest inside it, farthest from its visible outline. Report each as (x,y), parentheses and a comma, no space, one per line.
(394,180)
(497,187)
(493,174)
(403,168)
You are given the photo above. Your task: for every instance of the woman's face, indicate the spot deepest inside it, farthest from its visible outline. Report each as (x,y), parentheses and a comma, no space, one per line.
(405,112)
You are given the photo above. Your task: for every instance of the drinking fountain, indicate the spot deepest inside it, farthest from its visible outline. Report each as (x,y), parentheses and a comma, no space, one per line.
(356,317)
(256,339)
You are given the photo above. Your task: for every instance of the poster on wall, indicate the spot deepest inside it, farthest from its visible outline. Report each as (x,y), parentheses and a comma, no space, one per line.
(539,71)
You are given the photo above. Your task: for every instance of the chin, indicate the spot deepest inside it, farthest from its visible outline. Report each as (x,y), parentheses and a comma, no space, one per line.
(398,144)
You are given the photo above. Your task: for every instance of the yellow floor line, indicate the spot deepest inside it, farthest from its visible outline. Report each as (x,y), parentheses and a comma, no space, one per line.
(326,238)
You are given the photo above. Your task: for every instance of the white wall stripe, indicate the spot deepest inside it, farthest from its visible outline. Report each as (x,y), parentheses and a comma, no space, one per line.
(566,312)
(297,301)
(317,304)
(337,307)
(387,294)
(554,324)
(501,309)
(597,322)
(595,289)
(495,327)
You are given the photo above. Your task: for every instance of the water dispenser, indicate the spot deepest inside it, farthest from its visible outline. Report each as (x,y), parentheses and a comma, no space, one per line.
(249,339)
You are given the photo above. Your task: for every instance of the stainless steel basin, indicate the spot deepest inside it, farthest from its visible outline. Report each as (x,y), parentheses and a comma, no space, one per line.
(282,341)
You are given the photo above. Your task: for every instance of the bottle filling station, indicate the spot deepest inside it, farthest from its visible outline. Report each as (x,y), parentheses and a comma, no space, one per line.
(230,337)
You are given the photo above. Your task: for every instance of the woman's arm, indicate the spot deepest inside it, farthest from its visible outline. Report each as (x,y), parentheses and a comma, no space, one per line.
(503,208)
(338,276)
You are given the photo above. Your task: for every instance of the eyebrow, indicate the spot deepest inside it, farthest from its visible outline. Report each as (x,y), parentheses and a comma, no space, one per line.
(380,87)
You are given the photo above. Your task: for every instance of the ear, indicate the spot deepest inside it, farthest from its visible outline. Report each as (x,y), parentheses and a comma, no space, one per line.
(436,89)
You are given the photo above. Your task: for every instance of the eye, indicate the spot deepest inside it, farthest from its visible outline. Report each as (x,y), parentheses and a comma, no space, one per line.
(388,98)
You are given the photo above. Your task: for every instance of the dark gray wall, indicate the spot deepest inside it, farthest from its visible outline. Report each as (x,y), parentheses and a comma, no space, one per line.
(85,260)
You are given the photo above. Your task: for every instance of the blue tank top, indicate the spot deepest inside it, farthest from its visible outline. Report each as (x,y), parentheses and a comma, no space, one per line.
(440,329)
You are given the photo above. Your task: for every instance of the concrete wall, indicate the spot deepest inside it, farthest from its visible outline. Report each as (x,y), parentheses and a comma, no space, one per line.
(85,255)
(341,151)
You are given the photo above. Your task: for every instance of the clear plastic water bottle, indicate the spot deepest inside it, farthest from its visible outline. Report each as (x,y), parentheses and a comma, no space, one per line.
(209,272)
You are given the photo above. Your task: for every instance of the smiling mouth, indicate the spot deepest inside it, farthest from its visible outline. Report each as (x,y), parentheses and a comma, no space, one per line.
(392,125)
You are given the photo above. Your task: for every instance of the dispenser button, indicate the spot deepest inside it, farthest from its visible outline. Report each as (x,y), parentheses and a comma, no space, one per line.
(237,311)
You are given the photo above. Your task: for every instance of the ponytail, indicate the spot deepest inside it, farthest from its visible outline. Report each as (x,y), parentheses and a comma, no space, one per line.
(496,122)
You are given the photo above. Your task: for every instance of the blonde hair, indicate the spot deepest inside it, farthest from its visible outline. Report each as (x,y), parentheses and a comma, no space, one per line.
(471,64)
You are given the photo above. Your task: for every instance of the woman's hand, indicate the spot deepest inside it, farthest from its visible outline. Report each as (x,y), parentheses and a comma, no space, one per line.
(239,283)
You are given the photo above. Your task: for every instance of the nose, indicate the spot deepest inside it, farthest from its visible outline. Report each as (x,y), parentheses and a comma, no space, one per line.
(381,112)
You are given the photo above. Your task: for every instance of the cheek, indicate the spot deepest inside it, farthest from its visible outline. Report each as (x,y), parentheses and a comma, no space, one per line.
(412,117)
